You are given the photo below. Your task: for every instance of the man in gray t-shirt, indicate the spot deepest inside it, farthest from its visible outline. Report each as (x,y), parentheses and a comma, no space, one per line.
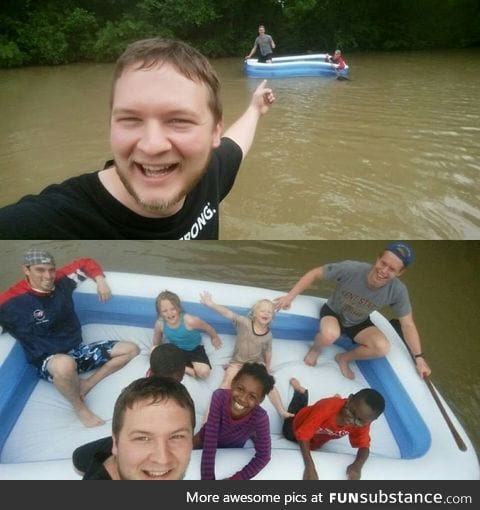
(265,46)
(361,289)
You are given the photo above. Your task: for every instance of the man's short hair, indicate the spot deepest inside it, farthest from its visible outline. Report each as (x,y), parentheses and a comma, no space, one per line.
(154,389)
(149,53)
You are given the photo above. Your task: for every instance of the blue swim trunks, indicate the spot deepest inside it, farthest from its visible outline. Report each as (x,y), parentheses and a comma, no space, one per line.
(87,356)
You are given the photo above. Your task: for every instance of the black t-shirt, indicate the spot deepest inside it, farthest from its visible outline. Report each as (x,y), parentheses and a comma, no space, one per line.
(81,208)
(90,457)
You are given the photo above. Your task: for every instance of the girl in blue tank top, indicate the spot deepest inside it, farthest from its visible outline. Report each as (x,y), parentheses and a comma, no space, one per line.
(184,331)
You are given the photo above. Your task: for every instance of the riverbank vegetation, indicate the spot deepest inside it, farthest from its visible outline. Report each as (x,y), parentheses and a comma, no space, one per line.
(47,32)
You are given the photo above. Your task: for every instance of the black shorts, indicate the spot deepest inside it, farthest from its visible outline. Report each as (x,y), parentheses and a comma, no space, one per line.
(351,331)
(263,58)
(298,402)
(198,355)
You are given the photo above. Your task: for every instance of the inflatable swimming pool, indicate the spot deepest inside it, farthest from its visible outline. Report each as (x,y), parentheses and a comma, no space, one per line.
(39,430)
(296,65)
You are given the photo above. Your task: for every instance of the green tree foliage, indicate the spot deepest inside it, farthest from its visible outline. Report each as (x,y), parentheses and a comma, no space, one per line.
(10,54)
(114,36)
(80,28)
(383,24)
(40,41)
(60,31)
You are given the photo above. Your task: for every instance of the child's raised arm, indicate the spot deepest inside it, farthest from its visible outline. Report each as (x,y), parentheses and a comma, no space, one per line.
(196,323)
(206,299)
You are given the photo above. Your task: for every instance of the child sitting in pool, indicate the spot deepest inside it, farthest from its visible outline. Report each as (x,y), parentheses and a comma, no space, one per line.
(254,342)
(235,416)
(167,360)
(183,330)
(331,418)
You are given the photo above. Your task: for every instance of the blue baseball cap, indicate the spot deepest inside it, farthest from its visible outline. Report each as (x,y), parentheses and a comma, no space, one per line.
(403,251)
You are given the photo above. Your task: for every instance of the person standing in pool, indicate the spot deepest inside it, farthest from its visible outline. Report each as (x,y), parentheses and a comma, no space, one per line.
(265,46)
(362,288)
(337,60)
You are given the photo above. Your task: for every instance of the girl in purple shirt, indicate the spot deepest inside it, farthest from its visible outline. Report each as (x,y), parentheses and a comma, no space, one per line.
(234,417)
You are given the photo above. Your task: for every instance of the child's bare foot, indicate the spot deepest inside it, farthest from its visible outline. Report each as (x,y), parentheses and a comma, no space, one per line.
(296,385)
(344,368)
(311,356)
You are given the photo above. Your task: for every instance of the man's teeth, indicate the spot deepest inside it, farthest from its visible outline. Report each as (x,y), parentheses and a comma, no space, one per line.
(152,170)
(156,474)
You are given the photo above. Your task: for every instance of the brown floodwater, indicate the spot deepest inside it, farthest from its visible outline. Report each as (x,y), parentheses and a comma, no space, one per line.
(394,149)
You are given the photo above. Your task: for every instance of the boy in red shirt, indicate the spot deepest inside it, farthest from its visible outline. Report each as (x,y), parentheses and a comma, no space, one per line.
(331,418)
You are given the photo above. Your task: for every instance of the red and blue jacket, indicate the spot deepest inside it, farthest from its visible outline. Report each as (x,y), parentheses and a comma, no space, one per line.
(46,323)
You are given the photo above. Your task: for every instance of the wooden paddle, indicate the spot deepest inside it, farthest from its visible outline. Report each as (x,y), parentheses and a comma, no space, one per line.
(461,445)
